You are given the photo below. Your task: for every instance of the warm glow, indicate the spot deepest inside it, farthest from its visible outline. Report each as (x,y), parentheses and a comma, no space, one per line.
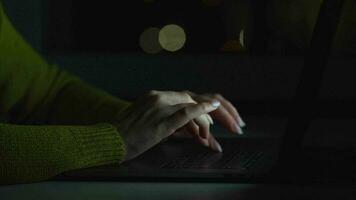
(149,41)
(232,46)
(172,37)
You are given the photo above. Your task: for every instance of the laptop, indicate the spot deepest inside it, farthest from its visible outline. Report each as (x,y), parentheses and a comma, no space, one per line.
(268,157)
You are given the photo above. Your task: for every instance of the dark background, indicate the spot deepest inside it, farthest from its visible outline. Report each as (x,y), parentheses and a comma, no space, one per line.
(98,41)
(112,27)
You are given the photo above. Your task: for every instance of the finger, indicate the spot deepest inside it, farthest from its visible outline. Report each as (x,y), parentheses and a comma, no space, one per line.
(203,120)
(202,141)
(224,117)
(204,126)
(187,113)
(228,106)
(173,98)
(214,144)
(175,108)
(232,110)
(163,98)
(211,121)
(193,129)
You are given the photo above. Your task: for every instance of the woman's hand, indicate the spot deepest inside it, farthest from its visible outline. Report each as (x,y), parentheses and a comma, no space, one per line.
(226,114)
(157,115)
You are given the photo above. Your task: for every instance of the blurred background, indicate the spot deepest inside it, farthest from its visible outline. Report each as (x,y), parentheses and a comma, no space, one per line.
(251,51)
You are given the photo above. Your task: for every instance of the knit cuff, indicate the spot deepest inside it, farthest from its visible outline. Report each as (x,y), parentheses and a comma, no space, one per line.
(98,144)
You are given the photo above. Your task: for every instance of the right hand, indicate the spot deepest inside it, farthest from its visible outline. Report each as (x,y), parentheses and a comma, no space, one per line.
(151,119)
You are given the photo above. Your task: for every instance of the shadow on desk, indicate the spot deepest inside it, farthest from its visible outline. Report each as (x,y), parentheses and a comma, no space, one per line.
(129,190)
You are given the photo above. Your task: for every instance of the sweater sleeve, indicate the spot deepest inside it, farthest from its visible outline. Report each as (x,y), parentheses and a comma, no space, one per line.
(65,123)
(36,153)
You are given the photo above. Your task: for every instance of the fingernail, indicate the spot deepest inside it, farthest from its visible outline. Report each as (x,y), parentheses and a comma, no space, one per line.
(206,143)
(238,129)
(215,103)
(241,123)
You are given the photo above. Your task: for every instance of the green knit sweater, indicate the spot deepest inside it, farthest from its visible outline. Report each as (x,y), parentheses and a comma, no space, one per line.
(50,121)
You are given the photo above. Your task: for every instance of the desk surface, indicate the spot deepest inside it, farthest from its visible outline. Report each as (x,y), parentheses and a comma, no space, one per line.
(130,190)
(144,190)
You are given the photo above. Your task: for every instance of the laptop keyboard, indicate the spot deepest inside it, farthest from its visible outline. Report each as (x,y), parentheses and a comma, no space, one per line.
(208,160)
(242,159)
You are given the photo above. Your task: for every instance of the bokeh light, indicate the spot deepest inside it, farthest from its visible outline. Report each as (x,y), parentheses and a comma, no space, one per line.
(172,37)
(235,45)
(149,40)
(242,37)
(232,46)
